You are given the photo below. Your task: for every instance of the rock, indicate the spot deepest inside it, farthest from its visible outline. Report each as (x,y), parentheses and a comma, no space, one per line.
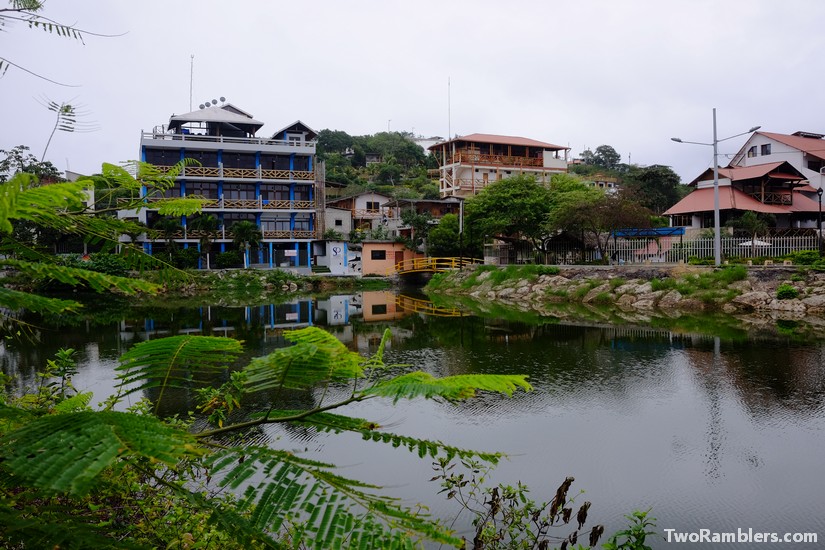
(753,300)
(787,305)
(626,300)
(815,302)
(591,296)
(670,300)
(741,286)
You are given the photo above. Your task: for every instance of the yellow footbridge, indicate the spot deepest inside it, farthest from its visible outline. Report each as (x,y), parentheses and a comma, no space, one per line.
(432,265)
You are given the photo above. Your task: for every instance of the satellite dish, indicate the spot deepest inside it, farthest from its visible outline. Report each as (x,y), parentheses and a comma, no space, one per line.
(223,99)
(214,102)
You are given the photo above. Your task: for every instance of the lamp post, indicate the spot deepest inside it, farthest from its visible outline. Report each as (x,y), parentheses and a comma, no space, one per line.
(717,235)
(819,222)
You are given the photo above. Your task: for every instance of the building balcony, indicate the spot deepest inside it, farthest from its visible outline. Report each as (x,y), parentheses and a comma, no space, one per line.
(243,204)
(222,173)
(227,235)
(785,198)
(199,141)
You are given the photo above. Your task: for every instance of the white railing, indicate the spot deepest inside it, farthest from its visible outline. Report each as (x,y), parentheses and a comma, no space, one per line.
(223,139)
(662,250)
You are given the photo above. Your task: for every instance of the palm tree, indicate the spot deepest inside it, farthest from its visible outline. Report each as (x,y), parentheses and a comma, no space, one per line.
(246,235)
(753,224)
(208,225)
(168,227)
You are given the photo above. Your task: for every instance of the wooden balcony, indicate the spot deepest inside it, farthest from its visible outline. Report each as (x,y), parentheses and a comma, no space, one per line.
(779,198)
(227,235)
(240,173)
(243,204)
(473,157)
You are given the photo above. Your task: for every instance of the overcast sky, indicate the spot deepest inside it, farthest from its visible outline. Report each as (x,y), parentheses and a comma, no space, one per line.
(630,74)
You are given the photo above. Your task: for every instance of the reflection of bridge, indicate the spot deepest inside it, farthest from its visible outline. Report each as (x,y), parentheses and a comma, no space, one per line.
(432,265)
(416,305)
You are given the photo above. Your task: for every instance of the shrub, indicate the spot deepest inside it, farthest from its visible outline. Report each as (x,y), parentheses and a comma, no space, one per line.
(616,282)
(228,259)
(786,292)
(804,257)
(731,274)
(185,258)
(111,264)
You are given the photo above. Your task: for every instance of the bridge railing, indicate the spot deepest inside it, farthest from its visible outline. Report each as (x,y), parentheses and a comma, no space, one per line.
(414,265)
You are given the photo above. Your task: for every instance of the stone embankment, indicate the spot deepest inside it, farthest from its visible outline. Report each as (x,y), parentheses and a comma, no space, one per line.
(651,288)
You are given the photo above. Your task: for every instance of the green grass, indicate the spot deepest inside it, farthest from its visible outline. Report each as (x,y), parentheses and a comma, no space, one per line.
(616,282)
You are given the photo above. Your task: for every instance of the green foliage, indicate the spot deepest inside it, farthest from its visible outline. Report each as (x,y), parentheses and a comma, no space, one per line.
(654,187)
(515,207)
(786,292)
(505,516)
(635,536)
(804,257)
(231,258)
(277,491)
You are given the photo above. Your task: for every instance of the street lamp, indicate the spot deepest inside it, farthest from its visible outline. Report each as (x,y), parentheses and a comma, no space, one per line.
(717,236)
(819,222)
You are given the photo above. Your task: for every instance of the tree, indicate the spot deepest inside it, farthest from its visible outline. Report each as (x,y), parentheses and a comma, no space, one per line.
(246,235)
(605,156)
(18,159)
(513,209)
(206,226)
(444,241)
(420,224)
(65,468)
(599,216)
(655,187)
(333,141)
(29,12)
(752,224)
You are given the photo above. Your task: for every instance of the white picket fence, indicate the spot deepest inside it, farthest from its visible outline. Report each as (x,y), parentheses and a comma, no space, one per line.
(673,250)
(661,250)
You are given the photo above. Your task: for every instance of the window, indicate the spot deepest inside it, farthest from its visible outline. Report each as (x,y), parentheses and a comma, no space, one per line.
(378,254)
(379,309)
(815,165)
(765,149)
(339,223)
(752,152)
(372,206)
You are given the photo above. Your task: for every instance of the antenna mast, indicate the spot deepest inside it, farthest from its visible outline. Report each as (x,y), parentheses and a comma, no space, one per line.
(449,116)
(191,77)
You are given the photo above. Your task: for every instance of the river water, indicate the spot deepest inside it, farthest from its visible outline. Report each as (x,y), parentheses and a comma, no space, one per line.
(723,434)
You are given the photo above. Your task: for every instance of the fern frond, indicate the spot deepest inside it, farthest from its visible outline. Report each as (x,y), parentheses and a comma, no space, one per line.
(185,206)
(75,403)
(316,357)
(15,300)
(64,453)
(55,526)
(99,282)
(176,361)
(453,388)
(332,511)
(335,423)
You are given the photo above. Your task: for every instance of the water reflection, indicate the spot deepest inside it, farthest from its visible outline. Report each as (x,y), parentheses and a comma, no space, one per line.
(713,432)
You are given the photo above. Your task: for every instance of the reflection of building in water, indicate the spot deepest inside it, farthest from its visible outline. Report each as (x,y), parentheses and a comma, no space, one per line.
(221,321)
(379,305)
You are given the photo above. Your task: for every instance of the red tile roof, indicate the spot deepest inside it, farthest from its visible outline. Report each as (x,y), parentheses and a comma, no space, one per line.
(701,200)
(502,140)
(812,146)
(740,173)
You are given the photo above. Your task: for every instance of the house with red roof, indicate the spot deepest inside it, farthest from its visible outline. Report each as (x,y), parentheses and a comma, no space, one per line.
(774,188)
(469,163)
(805,151)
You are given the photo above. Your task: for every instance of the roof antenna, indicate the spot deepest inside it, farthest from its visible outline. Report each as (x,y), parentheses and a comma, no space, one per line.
(191,78)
